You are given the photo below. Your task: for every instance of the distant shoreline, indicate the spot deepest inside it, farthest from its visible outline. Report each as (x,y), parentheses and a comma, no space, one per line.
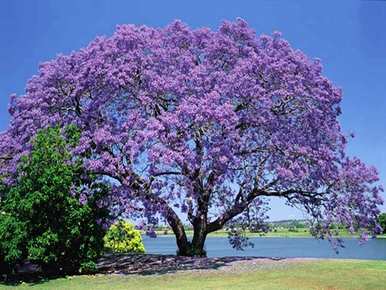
(279,234)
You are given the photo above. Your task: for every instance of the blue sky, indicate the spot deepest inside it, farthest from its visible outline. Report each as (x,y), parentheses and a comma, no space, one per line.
(348,36)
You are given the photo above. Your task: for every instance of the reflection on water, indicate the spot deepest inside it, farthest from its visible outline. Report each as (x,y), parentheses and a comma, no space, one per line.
(279,247)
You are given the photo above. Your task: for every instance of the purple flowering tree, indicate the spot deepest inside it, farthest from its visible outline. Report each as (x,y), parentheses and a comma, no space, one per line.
(203,125)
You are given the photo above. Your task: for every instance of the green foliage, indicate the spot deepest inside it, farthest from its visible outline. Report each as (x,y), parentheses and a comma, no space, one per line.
(382,221)
(42,219)
(88,266)
(123,237)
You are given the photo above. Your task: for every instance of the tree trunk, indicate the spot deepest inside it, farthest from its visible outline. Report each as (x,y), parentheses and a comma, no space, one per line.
(194,248)
(175,223)
(199,237)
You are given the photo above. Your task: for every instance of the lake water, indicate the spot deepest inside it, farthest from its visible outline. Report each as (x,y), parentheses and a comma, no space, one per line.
(278,247)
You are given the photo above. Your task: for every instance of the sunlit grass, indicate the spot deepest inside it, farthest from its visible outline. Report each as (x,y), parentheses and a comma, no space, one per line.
(324,274)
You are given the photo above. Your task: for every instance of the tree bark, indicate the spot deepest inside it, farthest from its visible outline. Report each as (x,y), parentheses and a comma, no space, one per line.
(177,226)
(186,247)
(199,236)
(194,248)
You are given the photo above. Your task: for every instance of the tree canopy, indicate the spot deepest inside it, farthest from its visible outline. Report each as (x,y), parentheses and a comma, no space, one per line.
(204,123)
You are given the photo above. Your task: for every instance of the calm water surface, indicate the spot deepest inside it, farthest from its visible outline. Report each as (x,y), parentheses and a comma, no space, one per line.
(279,247)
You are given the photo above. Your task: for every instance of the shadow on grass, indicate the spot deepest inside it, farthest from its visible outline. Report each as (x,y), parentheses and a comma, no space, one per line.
(148,264)
(125,264)
(31,278)
(30,273)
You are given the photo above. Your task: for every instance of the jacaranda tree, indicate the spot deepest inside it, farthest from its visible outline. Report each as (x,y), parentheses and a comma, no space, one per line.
(205,125)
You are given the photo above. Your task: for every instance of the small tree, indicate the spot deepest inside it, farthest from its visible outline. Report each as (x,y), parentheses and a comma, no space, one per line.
(53,215)
(123,237)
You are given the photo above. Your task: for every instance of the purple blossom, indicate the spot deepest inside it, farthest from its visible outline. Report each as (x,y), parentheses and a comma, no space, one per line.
(83,199)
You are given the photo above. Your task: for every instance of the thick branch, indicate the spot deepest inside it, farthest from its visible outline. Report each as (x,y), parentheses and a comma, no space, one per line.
(240,206)
(5,158)
(166,173)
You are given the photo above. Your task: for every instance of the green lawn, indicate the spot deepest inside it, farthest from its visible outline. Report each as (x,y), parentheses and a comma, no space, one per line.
(325,274)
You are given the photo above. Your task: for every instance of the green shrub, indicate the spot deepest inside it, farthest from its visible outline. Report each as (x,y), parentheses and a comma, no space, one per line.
(124,238)
(42,218)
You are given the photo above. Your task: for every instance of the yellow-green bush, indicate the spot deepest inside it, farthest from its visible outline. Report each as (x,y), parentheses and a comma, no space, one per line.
(122,237)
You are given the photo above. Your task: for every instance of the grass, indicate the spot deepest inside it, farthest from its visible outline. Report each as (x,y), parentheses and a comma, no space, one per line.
(321,274)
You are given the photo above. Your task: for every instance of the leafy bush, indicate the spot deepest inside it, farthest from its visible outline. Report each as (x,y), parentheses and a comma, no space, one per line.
(54,214)
(123,237)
